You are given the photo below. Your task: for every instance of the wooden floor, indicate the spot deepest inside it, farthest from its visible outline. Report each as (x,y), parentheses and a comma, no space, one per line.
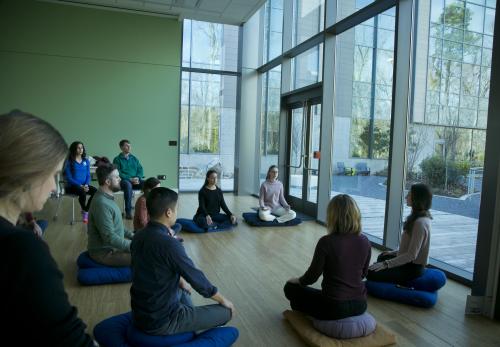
(250,267)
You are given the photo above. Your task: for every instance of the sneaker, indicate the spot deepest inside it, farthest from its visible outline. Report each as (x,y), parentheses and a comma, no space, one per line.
(85,217)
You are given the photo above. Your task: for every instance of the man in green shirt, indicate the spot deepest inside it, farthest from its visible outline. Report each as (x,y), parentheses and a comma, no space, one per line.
(131,174)
(108,241)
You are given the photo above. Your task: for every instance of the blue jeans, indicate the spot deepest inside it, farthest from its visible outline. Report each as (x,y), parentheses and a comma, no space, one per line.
(128,188)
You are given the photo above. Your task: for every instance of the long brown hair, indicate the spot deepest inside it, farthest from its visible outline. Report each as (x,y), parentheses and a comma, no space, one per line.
(421,202)
(30,149)
(343,216)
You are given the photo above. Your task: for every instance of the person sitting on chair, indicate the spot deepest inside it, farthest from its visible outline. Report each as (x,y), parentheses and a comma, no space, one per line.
(211,200)
(160,297)
(141,216)
(342,257)
(131,174)
(77,175)
(272,201)
(108,241)
(409,261)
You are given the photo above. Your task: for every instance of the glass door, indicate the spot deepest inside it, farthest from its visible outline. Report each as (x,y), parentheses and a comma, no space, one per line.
(303,157)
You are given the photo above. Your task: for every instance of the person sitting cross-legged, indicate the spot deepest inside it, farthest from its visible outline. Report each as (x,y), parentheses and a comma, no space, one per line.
(342,257)
(141,215)
(162,276)
(108,241)
(272,203)
(211,200)
(131,174)
(409,261)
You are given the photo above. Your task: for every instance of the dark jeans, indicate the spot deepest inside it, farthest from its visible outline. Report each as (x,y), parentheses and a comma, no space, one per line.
(128,188)
(400,274)
(314,303)
(194,318)
(82,195)
(217,219)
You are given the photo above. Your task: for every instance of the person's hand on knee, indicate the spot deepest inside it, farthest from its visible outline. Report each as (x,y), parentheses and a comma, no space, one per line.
(233,219)
(209,220)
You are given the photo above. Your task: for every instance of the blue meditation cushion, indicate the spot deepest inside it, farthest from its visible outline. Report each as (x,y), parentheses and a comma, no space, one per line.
(347,328)
(430,281)
(190,226)
(84,261)
(405,295)
(215,337)
(137,338)
(92,273)
(118,331)
(253,219)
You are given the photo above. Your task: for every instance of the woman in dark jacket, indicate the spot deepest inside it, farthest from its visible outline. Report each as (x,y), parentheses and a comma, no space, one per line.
(35,307)
(211,200)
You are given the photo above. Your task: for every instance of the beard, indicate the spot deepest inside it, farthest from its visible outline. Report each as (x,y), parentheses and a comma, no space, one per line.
(115,188)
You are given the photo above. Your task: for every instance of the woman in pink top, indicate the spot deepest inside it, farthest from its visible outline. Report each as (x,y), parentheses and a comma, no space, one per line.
(272,203)
(409,261)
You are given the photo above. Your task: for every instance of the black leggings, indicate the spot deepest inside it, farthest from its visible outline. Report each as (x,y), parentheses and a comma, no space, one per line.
(217,218)
(82,195)
(314,303)
(400,274)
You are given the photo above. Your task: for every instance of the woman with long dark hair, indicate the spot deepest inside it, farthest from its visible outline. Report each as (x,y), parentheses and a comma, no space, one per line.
(211,200)
(409,261)
(35,307)
(77,175)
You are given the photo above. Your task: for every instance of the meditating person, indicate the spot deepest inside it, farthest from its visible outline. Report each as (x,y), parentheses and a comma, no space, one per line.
(162,276)
(77,176)
(131,174)
(211,200)
(141,216)
(272,203)
(408,263)
(35,309)
(342,257)
(108,241)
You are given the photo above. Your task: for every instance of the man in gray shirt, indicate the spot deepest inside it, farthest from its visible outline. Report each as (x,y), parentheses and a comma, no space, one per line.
(108,241)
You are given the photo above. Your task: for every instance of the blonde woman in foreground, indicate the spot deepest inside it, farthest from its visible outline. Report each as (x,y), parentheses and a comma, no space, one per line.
(342,257)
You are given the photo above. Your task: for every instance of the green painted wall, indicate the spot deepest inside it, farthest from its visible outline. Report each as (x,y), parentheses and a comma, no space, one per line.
(98,76)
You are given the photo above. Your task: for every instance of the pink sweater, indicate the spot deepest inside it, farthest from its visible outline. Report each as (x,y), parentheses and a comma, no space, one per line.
(271,195)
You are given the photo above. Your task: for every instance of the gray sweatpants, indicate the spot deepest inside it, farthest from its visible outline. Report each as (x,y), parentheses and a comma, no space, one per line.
(194,318)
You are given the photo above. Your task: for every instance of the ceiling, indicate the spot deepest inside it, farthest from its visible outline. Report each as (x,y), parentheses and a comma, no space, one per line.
(234,12)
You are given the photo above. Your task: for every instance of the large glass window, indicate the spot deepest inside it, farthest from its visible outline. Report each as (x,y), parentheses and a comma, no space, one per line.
(348,7)
(210,46)
(270,120)
(273,30)
(208,104)
(362,117)
(447,130)
(308,19)
(307,68)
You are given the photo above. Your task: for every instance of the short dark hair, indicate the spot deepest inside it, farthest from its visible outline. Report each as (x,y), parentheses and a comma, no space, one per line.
(103,172)
(149,184)
(160,200)
(124,141)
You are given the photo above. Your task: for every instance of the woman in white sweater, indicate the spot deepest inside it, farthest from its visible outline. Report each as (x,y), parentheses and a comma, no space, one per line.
(272,201)
(409,261)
